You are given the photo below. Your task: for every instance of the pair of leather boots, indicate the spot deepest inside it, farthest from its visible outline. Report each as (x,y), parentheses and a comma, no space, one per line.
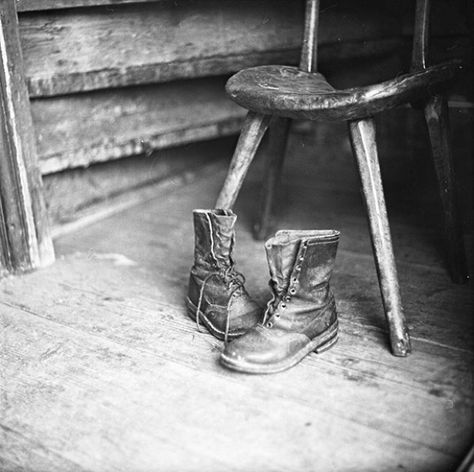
(299,318)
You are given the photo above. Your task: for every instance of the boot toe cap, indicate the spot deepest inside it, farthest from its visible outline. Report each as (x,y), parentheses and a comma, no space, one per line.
(256,351)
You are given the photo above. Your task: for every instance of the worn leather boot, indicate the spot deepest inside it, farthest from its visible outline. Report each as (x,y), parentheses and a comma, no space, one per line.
(216,295)
(301,316)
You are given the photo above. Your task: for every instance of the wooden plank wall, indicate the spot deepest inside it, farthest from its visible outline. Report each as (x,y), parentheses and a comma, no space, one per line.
(112,79)
(81,60)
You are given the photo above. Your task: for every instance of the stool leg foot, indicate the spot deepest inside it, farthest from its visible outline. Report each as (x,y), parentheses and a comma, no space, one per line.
(362,134)
(279,130)
(437,120)
(252,133)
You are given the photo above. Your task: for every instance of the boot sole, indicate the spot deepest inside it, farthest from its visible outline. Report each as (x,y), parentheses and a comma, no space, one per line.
(319,344)
(192,310)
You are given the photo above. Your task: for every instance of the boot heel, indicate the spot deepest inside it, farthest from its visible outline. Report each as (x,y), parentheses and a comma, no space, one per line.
(327,344)
(328,338)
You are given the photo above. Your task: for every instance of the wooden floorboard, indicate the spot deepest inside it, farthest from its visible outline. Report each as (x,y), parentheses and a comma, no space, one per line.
(103,371)
(103,403)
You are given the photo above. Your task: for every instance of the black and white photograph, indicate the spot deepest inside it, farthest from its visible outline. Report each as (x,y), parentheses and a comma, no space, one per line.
(236,236)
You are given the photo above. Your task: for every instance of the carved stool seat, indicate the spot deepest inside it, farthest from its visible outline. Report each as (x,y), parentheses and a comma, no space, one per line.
(293,93)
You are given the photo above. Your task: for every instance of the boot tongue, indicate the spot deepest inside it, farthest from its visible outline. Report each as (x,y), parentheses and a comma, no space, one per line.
(281,251)
(213,230)
(223,222)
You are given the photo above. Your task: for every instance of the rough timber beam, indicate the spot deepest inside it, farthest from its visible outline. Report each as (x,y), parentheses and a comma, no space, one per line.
(25,242)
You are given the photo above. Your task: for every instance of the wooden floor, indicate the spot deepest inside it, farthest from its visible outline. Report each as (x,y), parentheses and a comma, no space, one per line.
(101,370)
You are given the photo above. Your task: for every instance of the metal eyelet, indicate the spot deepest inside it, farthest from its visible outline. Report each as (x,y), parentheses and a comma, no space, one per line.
(292,290)
(269,324)
(283,305)
(294,280)
(287,298)
(301,258)
(277,315)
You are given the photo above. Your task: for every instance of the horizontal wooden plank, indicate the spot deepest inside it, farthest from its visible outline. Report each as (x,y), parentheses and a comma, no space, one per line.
(77,50)
(40,5)
(80,192)
(78,130)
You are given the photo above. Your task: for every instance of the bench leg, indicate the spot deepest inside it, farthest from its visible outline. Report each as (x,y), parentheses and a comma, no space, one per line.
(362,134)
(252,133)
(275,157)
(437,120)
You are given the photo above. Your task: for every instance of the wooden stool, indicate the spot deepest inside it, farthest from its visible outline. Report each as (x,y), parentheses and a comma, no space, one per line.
(285,92)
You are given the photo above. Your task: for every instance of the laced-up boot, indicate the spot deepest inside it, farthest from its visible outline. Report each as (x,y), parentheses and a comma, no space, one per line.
(216,295)
(301,316)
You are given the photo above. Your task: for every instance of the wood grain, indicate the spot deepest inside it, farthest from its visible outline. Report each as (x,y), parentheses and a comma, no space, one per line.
(25,242)
(252,132)
(72,195)
(428,292)
(288,92)
(364,146)
(437,119)
(160,41)
(153,42)
(78,130)
(105,371)
(132,120)
(109,385)
(309,48)
(41,5)
(275,157)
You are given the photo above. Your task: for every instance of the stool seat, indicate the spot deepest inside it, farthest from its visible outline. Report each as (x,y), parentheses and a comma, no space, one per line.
(289,92)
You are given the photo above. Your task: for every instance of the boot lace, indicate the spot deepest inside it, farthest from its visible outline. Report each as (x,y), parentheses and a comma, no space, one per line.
(271,303)
(234,279)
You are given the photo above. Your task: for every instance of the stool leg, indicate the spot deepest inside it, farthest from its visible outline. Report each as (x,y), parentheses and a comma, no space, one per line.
(437,120)
(275,158)
(365,150)
(252,133)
